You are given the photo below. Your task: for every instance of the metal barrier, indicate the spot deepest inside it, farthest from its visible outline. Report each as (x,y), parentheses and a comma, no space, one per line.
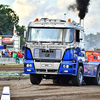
(10,60)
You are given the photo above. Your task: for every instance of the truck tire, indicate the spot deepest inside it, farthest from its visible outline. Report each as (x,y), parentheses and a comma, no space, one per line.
(77,80)
(96,80)
(35,79)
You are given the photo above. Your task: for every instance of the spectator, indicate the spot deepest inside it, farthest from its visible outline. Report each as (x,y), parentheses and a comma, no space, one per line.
(7,53)
(15,55)
(20,55)
(11,53)
(17,58)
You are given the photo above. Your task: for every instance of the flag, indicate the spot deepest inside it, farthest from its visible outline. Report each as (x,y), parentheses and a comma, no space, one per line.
(15,34)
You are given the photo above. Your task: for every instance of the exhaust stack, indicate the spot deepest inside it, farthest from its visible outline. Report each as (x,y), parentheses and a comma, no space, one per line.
(82,23)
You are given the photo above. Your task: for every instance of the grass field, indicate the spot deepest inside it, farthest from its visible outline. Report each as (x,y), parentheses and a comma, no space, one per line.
(10,71)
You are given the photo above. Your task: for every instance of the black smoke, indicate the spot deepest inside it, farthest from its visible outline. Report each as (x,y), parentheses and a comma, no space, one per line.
(81,6)
(72,7)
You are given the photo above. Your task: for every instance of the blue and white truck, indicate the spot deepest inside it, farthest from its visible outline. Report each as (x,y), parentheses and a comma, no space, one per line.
(54,49)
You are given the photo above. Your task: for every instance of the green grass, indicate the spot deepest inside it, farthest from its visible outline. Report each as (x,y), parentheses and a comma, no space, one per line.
(12,76)
(10,71)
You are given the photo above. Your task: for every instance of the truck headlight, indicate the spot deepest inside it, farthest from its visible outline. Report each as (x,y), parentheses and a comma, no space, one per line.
(28,65)
(66,66)
(63,66)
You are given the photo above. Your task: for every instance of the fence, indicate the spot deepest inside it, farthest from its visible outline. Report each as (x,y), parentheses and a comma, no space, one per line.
(10,60)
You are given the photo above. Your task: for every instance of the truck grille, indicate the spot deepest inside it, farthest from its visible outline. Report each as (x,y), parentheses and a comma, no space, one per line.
(47,54)
(47,70)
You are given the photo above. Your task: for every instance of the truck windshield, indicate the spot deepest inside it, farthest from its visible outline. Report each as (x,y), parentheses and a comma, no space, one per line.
(50,35)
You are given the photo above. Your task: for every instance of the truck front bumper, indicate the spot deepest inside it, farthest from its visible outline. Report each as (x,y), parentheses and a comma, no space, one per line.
(49,68)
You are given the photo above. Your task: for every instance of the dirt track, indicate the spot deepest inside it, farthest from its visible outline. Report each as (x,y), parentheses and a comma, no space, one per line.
(24,90)
(12,67)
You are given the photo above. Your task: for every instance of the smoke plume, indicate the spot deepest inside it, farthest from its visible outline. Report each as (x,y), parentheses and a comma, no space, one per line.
(81,6)
(73,7)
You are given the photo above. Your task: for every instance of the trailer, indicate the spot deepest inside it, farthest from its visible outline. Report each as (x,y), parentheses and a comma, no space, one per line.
(54,49)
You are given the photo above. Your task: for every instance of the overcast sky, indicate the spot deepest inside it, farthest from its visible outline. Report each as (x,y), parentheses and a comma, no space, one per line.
(28,10)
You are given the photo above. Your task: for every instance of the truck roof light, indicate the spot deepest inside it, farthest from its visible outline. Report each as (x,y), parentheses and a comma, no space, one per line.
(69,20)
(36,20)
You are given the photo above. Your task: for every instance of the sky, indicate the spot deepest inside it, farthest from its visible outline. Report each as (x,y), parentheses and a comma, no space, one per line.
(28,10)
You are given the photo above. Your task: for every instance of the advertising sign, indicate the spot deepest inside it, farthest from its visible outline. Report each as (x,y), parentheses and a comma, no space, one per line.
(6,40)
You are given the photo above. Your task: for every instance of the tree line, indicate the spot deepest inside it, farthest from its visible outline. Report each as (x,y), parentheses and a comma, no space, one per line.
(92,41)
(8,18)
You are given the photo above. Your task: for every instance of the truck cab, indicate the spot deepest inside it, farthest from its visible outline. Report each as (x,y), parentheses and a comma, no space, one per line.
(54,49)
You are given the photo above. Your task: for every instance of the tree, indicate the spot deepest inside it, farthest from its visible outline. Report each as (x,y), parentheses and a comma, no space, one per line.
(20,31)
(92,40)
(8,18)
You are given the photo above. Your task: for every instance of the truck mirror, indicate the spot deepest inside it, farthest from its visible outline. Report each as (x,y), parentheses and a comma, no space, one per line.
(81,35)
(77,36)
(24,34)
(4,47)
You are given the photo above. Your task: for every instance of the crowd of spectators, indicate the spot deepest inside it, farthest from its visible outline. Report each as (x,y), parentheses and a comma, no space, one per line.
(12,54)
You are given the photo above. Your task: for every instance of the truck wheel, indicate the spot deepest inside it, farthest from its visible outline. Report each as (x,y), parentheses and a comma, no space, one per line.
(96,80)
(35,79)
(77,80)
